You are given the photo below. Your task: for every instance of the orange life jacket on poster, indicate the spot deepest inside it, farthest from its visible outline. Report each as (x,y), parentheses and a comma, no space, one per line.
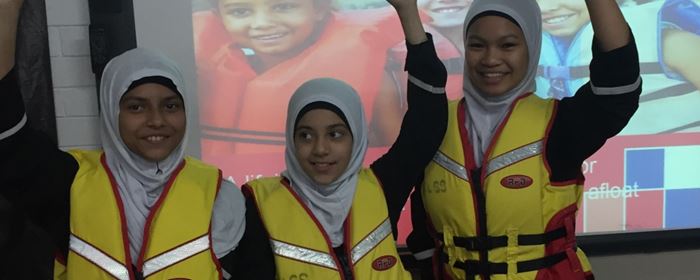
(249,108)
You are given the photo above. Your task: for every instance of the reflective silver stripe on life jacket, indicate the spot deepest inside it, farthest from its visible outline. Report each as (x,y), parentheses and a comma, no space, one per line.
(176,255)
(372,240)
(303,254)
(514,156)
(451,165)
(102,260)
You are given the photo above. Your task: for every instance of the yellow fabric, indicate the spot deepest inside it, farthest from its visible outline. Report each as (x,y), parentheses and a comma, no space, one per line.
(96,219)
(450,201)
(288,221)
(59,271)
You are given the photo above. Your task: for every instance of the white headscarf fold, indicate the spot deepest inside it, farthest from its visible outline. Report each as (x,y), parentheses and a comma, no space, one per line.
(330,204)
(485,113)
(140,182)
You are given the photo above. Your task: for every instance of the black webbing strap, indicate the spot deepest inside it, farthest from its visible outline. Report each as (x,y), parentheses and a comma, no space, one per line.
(491,242)
(472,268)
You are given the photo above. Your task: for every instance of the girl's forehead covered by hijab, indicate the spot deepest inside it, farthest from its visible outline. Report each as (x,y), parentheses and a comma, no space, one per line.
(327,90)
(525,13)
(134,65)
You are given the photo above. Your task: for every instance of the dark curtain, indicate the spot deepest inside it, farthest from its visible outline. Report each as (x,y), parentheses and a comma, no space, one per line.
(34,67)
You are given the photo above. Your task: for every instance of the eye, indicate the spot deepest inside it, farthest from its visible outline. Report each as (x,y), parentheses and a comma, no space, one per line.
(509,45)
(173,106)
(284,7)
(239,12)
(336,134)
(476,45)
(304,136)
(134,107)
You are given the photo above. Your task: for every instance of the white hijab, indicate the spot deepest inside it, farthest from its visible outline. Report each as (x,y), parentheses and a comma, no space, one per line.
(485,113)
(330,204)
(140,182)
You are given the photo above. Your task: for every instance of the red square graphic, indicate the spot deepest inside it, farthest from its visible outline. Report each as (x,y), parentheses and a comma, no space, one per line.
(603,214)
(645,210)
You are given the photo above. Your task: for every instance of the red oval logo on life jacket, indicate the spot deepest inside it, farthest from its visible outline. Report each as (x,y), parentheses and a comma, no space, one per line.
(384,262)
(516,181)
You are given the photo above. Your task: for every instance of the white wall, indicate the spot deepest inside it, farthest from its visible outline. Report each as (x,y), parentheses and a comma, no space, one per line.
(74,83)
(174,39)
(77,125)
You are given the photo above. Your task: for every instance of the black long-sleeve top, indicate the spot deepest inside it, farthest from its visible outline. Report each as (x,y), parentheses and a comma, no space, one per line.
(422,130)
(599,110)
(36,179)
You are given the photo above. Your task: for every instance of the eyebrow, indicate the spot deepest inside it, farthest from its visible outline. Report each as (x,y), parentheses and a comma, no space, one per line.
(477,37)
(176,97)
(236,4)
(335,125)
(135,98)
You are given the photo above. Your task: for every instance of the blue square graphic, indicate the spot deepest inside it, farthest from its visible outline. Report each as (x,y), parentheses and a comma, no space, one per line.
(645,168)
(682,208)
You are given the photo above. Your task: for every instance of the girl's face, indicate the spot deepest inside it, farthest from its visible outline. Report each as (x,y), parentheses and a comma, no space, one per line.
(323,145)
(271,27)
(152,121)
(446,13)
(496,55)
(563,18)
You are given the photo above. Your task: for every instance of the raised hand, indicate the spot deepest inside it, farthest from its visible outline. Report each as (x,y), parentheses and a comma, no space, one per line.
(11,4)
(399,4)
(410,20)
(9,15)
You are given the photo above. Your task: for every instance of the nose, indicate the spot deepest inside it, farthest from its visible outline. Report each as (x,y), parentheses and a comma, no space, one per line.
(262,20)
(492,57)
(155,119)
(321,147)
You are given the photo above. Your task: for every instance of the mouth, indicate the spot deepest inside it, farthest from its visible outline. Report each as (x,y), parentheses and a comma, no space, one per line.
(322,166)
(448,10)
(270,37)
(491,78)
(553,20)
(156,139)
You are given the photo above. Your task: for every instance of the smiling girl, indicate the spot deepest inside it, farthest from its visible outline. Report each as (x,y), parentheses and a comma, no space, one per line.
(137,208)
(499,200)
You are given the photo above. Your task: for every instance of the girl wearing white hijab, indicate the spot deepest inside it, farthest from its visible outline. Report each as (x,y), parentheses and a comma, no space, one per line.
(509,167)
(138,208)
(327,216)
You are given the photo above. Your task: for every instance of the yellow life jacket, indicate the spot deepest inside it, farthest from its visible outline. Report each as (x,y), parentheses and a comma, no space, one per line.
(177,243)
(302,248)
(505,220)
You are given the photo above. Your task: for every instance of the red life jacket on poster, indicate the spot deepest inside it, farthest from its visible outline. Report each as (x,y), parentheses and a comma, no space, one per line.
(248,108)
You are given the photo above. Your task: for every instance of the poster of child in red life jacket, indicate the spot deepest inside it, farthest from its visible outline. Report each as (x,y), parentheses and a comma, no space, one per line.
(251,56)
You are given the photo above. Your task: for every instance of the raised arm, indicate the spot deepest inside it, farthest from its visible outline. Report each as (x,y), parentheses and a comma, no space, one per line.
(36,176)
(613,93)
(608,23)
(425,122)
